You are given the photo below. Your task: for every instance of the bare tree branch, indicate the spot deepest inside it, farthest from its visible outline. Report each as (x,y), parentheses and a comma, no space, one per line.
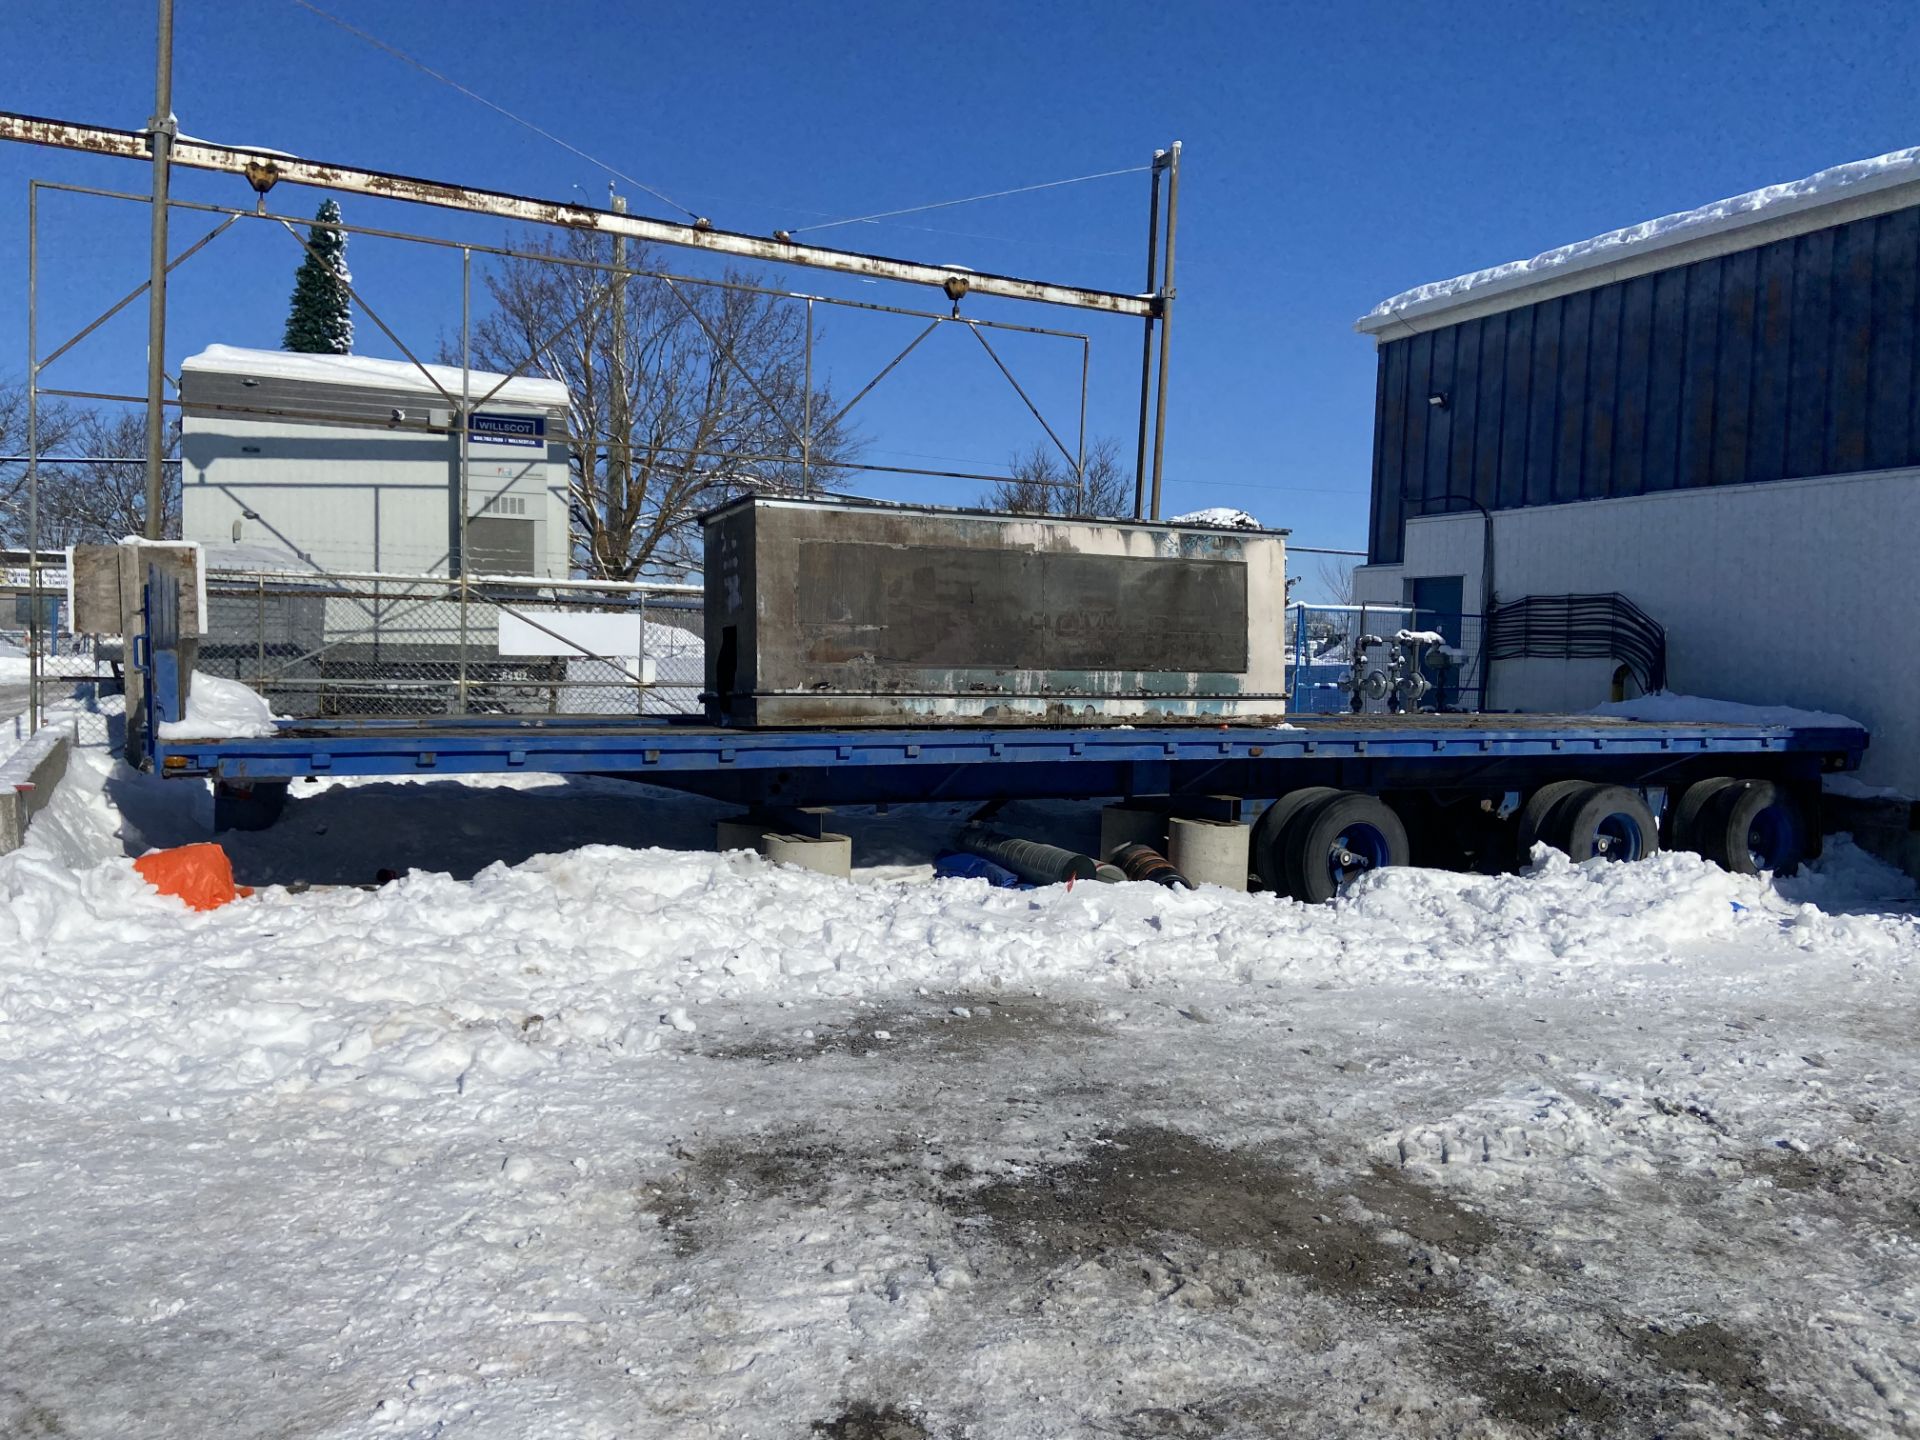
(80,501)
(1043,485)
(1336,579)
(682,396)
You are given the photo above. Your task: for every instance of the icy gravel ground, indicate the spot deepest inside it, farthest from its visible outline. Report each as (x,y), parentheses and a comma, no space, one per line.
(650,1141)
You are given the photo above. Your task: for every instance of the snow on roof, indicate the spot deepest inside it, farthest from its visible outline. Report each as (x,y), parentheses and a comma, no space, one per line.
(1898,168)
(1218,517)
(365,370)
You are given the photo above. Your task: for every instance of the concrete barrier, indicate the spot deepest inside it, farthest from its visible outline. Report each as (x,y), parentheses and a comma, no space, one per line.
(27,781)
(829,854)
(1210,852)
(1131,825)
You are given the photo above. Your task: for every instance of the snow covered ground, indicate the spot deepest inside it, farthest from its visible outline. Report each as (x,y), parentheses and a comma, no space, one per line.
(647,1141)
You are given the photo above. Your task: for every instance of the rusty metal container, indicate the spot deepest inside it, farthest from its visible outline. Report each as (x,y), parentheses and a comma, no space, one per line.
(835,612)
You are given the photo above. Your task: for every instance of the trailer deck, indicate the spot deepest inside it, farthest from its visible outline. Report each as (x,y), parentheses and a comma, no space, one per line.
(866,764)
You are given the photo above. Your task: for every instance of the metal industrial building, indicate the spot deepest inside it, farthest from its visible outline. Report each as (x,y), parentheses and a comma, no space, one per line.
(343,463)
(1715,415)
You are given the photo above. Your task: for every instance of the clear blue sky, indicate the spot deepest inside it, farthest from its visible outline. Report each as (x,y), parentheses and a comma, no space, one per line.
(1333,155)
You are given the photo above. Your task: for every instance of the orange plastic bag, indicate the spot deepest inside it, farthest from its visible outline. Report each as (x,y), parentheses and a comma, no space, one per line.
(201,875)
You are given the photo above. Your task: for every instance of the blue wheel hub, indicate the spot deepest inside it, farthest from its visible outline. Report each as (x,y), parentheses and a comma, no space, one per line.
(1619,837)
(1358,849)
(1773,838)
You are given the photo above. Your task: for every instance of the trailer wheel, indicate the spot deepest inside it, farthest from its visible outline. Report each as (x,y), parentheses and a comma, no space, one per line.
(1603,822)
(1684,817)
(1531,827)
(1337,839)
(1752,825)
(1268,848)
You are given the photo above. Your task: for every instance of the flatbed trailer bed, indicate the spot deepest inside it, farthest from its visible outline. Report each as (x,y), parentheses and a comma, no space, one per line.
(1335,794)
(789,767)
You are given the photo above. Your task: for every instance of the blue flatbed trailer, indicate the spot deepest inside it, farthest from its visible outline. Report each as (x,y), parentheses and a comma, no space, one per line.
(1340,791)
(868,765)
(1441,789)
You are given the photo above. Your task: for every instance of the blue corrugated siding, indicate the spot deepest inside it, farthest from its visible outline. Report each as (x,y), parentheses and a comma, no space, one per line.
(1791,359)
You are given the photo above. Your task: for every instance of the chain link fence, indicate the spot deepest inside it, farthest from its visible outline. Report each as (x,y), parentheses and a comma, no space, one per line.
(78,676)
(400,646)
(421,646)
(1324,641)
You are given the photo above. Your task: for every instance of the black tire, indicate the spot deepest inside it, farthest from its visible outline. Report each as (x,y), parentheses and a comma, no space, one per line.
(1531,826)
(1361,827)
(1750,826)
(1268,849)
(1603,822)
(1683,816)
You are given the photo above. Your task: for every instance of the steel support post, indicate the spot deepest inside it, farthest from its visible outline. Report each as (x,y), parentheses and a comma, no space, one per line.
(1146,341)
(1166,322)
(1080,467)
(160,129)
(806,411)
(33,456)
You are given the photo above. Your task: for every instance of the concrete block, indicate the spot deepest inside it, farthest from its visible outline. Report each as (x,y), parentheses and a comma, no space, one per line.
(1210,852)
(829,854)
(27,782)
(740,835)
(1131,825)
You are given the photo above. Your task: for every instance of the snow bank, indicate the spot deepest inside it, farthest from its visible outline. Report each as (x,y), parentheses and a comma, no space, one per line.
(1896,167)
(428,981)
(1851,787)
(220,709)
(1219,517)
(1669,708)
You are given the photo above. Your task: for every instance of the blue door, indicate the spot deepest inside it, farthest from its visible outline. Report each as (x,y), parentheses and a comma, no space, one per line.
(1438,602)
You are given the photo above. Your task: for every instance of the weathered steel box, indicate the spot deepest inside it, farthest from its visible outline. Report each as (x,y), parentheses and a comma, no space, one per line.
(858,612)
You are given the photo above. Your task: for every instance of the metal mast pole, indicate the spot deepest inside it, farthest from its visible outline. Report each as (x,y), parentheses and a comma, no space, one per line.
(619,417)
(1166,321)
(160,130)
(33,457)
(1146,341)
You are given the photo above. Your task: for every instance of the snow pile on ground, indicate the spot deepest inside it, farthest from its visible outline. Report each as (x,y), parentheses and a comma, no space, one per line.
(415,979)
(1852,787)
(1896,167)
(220,709)
(643,1141)
(1218,517)
(1665,707)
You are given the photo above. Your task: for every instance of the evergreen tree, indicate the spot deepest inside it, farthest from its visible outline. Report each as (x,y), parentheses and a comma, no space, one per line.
(321,319)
